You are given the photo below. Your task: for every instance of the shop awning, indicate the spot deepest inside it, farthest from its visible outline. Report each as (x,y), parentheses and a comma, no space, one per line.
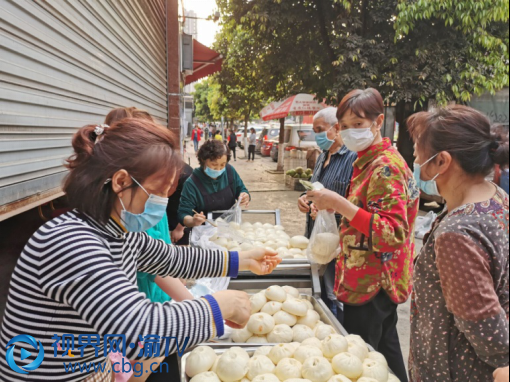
(205,62)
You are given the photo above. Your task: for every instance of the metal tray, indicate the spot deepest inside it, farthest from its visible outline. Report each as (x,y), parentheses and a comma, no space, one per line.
(300,275)
(277,216)
(320,307)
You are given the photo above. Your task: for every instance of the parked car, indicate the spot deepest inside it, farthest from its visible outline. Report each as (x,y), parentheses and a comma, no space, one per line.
(265,151)
(267,134)
(299,136)
(274,151)
(296,136)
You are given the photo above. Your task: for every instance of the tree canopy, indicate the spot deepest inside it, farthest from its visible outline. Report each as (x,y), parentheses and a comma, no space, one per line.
(410,50)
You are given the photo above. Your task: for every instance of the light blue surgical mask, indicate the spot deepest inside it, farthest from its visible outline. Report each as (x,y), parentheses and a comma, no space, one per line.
(427,186)
(215,174)
(323,141)
(155,209)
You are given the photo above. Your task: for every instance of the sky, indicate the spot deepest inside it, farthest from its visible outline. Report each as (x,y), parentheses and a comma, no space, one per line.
(206,29)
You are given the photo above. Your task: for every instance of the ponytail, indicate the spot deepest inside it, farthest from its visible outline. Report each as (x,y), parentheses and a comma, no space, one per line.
(140,147)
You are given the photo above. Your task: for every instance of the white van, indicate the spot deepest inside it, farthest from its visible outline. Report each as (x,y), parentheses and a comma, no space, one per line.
(299,136)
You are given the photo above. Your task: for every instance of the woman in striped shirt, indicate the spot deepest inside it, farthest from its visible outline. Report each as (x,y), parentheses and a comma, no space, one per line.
(77,274)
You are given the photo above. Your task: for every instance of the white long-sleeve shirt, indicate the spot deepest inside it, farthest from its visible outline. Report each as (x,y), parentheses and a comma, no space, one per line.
(76,276)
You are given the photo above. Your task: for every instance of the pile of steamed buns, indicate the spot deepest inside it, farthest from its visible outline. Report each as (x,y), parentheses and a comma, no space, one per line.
(307,349)
(248,236)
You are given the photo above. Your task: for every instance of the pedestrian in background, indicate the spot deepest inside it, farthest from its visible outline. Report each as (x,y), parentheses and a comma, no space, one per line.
(196,137)
(459,315)
(232,144)
(334,170)
(252,144)
(218,136)
(375,268)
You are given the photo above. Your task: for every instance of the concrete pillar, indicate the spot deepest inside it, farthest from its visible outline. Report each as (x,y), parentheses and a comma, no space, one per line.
(173,66)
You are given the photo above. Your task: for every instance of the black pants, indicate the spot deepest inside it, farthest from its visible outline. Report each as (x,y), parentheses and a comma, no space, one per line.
(233,151)
(376,323)
(165,374)
(327,294)
(251,152)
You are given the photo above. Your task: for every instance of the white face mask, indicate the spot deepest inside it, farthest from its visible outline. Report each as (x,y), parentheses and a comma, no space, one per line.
(358,139)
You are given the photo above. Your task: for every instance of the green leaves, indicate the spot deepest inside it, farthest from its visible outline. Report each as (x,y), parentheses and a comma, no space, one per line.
(480,30)
(411,50)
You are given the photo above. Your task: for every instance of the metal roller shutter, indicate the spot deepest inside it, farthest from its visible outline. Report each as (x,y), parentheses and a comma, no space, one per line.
(65,64)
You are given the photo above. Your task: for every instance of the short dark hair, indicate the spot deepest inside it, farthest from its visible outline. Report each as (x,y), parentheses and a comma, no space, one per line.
(463,132)
(212,150)
(136,145)
(366,103)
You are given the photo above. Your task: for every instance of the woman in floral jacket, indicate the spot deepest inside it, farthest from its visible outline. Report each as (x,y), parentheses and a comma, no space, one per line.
(375,269)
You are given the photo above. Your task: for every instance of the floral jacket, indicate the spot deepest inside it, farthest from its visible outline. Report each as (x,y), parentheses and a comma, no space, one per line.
(381,254)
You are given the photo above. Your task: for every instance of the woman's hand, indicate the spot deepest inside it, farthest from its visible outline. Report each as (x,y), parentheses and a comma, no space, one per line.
(303,205)
(324,199)
(245,200)
(199,219)
(259,261)
(235,307)
(501,375)
(177,234)
(314,211)
(333,202)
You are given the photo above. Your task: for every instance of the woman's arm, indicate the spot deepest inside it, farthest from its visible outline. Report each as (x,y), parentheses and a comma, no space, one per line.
(178,233)
(102,294)
(195,221)
(468,289)
(99,290)
(501,375)
(189,201)
(157,258)
(174,288)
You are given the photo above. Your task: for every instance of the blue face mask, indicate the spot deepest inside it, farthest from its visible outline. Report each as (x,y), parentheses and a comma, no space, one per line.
(323,141)
(155,208)
(427,186)
(215,174)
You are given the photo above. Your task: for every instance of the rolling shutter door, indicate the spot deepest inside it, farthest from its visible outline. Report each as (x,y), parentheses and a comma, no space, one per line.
(63,65)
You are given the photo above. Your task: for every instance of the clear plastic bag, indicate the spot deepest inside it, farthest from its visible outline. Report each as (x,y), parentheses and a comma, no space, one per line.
(201,238)
(424,224)
(324,244)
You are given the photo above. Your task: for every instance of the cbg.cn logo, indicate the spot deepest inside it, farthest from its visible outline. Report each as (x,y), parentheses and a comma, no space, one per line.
(29,340)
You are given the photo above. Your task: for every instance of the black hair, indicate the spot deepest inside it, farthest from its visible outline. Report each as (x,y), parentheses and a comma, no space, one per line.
(212,150)
(463,132)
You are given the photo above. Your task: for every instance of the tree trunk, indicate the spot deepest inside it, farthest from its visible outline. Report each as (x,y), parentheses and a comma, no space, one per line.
(281,148)
(246,120)
(364,18)
(405,144)
(324,31)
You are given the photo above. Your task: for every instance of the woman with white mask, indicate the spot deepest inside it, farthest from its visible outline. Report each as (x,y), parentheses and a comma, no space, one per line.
(459,329)
(374,270)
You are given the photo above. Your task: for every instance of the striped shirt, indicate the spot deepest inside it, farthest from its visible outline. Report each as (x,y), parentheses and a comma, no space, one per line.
(335,177)
(78,277)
